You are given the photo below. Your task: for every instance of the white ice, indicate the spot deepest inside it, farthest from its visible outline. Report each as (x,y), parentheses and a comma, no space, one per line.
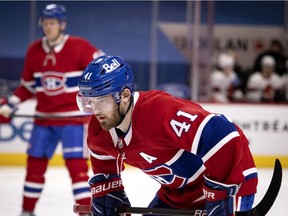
(57,199)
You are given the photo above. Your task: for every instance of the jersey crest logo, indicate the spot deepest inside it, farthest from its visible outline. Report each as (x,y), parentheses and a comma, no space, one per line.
(53,83)
(166,176)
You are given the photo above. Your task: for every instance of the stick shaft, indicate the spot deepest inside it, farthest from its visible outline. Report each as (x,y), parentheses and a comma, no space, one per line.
(148,211)
(161,211)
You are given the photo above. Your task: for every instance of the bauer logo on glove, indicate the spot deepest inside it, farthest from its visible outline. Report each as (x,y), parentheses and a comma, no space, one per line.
(100,189)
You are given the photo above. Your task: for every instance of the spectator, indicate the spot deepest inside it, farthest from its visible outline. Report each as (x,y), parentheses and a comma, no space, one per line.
(277,52)
(224,81)
(285,85)
(263,85)
(243,74)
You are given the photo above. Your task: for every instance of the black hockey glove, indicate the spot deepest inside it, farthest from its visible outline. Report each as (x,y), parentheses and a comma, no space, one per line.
(107,194)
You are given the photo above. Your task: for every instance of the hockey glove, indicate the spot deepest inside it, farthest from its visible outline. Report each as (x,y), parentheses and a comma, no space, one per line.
(7,109)
(107,194)
(219,198)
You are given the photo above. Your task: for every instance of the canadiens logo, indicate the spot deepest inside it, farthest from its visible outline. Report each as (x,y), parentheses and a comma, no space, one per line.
(166,175)
(53,83)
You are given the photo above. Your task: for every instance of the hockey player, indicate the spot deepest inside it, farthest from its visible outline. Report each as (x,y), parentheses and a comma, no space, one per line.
(51,73)
(264,85)
(199,158)
(224,81)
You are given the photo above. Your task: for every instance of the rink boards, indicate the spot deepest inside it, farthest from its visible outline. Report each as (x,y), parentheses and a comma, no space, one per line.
(265,125)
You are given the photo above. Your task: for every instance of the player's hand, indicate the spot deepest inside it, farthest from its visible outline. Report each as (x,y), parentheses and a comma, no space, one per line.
(219,198)
(6,110)
(107,194)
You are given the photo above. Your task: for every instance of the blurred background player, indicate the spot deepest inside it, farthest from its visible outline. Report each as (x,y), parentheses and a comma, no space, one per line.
(51,72)
(265,85)
(276,51)
(225,83)
(285,82)
(175,141)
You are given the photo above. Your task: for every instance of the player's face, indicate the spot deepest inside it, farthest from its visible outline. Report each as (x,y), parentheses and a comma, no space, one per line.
(52,29)
(267,70)
(106,111)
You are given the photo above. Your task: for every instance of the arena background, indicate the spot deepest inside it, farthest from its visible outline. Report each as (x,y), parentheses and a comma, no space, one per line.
(161,41)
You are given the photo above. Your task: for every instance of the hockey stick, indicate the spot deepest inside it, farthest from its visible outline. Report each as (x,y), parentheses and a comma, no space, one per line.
(260,210)
(270,196)
(149,211)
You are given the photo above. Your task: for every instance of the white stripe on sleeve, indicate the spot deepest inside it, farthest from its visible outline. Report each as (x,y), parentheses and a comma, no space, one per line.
(220,144)
(199,132)
(102,157)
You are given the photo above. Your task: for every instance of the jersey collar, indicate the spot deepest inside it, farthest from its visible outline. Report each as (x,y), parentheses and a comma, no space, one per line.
(125,125)
(57,48)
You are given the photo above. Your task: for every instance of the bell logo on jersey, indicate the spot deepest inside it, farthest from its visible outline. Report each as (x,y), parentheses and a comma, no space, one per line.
(114,65)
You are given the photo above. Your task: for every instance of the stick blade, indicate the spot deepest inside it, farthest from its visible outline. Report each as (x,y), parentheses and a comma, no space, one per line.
(270,196)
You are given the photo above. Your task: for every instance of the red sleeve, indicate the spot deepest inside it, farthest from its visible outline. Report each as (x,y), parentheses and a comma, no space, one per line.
(103,163)
(223,150)
(220,144)
(23,93)
(26,88)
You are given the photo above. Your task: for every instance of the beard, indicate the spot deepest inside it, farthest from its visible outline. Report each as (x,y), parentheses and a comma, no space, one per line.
(110,122)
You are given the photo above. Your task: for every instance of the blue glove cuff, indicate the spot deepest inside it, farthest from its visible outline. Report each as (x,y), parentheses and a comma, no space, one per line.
(220,198)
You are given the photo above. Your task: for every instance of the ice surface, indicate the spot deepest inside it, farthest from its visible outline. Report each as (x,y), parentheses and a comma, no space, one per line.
(57,199)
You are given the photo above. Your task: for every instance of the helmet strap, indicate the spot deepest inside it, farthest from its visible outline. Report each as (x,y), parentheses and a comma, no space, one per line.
(122,116)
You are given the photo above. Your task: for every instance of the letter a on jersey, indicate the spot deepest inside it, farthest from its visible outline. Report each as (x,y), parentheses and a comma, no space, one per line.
(147,157)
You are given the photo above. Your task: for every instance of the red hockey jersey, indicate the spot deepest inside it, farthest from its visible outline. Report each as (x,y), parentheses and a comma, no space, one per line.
(176,142)
(51,75)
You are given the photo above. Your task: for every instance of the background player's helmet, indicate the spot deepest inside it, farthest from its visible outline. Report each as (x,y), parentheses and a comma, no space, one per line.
(55,11)
(225,60)
(106,75)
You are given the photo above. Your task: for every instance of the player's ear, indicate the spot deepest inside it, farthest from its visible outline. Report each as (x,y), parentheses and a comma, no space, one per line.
(63,25)
(126,94)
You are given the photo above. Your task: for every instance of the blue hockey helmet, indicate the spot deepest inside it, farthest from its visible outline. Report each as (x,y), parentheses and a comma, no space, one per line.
(106,75)
(55,11)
